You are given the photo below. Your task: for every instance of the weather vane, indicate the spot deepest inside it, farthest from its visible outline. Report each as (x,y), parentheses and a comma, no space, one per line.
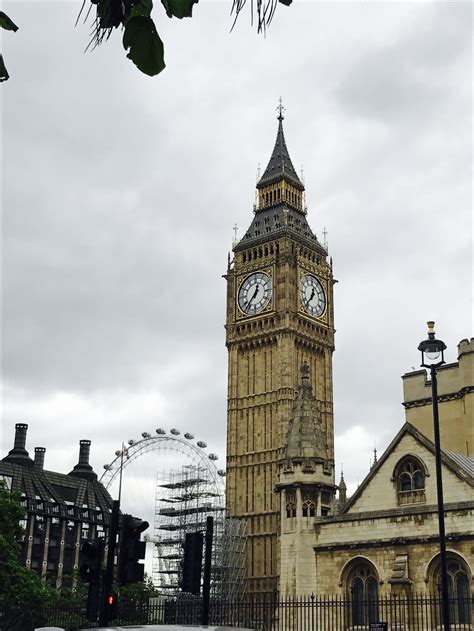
(280,109)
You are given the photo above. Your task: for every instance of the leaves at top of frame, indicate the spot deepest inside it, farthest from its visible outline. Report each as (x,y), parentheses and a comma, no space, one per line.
(144,44)
(6,23)
(179,8)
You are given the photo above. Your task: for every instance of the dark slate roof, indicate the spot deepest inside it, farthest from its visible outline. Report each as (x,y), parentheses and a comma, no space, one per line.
(280,218)
(465,462)
(280,165)
(56,489)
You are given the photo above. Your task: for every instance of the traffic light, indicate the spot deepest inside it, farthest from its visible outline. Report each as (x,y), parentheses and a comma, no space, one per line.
(90,561)
(110,606)
(192,563)
(131,550)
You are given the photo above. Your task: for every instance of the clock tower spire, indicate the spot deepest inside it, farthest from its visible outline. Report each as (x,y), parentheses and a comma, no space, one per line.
(279,318)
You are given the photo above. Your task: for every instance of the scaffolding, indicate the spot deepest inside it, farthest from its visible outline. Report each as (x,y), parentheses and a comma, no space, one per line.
(183,501)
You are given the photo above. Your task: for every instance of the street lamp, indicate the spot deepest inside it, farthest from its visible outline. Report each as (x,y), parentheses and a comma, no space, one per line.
(432,357)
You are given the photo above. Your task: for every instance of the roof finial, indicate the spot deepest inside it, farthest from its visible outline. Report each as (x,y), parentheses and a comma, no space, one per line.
(280,109)
(234,241)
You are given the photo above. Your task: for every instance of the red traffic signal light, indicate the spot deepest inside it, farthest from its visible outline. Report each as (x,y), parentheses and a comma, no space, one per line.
(111,606)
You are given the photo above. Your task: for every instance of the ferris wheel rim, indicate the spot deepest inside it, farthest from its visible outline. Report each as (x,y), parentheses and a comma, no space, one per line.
(171,441)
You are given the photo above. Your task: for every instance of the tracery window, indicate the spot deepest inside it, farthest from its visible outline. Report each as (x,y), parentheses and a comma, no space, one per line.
(458,588)
(410,480)
(308,505)
(362,586)
(290,504)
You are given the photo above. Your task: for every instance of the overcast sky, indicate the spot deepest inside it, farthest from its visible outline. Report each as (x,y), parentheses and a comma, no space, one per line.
(120,192)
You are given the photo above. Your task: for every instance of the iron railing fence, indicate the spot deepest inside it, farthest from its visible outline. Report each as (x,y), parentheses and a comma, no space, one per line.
(306,613)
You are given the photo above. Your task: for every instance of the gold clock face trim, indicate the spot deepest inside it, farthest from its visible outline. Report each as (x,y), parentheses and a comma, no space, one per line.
(255,293)
(312,296)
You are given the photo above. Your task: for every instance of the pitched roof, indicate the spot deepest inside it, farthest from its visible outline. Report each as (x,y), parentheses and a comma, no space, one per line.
(465,462)
(455,464)
(280,165)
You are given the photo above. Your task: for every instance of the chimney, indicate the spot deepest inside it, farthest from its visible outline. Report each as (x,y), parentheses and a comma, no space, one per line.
(83,469)
(19,455)
(39,457)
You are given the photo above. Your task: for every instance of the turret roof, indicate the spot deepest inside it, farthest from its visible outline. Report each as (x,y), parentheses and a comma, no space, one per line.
(280,165)
(305,439)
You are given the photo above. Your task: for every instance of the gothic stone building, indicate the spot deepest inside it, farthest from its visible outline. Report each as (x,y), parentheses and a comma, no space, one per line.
(280,441)
(62,510)
(279,314)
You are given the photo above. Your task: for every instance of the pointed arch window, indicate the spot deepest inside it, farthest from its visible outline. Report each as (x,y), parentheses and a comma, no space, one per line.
(409,477)
(362,588)
(309,508)
(459,578)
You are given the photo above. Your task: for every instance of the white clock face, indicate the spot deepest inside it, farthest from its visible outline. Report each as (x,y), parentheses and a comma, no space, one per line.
(312,296)
(255,293)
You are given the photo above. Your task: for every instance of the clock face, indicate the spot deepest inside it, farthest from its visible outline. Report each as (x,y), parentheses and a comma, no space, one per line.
(255,293)
(312,296)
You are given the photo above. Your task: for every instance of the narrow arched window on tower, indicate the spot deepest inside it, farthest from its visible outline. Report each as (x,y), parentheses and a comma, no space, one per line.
(290,504)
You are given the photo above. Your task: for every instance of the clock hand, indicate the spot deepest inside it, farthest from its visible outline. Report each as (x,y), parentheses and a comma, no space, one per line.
(254,294)
(312,295)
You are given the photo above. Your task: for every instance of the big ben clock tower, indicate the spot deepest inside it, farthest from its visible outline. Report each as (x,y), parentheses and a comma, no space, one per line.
(279,318)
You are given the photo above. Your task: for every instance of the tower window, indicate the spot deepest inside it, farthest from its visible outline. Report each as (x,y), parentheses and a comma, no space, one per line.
(308,508)
(290,504)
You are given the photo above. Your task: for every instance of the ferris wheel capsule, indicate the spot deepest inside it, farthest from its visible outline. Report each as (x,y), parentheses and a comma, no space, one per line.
(160,431)
(107,467)
(213,457)
(201,443)
(146,435)
(175,431)
(118,452)
(131,442)
(221,472)
(189,436)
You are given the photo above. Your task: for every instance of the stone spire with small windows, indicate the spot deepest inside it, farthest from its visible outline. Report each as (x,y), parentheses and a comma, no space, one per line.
(305,442)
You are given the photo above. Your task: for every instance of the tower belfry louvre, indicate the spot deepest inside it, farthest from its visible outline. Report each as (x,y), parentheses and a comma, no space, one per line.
(279,320)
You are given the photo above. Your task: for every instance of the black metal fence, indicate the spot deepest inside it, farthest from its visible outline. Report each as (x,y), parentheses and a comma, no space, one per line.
(309,613)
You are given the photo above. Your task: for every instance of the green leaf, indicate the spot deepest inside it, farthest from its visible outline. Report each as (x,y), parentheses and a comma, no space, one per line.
(142,7)
(146,48)
(3,71)
(6,23)
(179,8)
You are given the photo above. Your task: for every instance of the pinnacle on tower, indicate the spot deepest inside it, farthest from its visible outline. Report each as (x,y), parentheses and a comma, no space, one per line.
(280,166)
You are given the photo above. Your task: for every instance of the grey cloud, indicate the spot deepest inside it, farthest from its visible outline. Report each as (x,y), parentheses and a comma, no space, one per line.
(120,193)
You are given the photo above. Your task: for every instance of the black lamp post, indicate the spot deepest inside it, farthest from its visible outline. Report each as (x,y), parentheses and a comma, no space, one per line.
(432,357)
